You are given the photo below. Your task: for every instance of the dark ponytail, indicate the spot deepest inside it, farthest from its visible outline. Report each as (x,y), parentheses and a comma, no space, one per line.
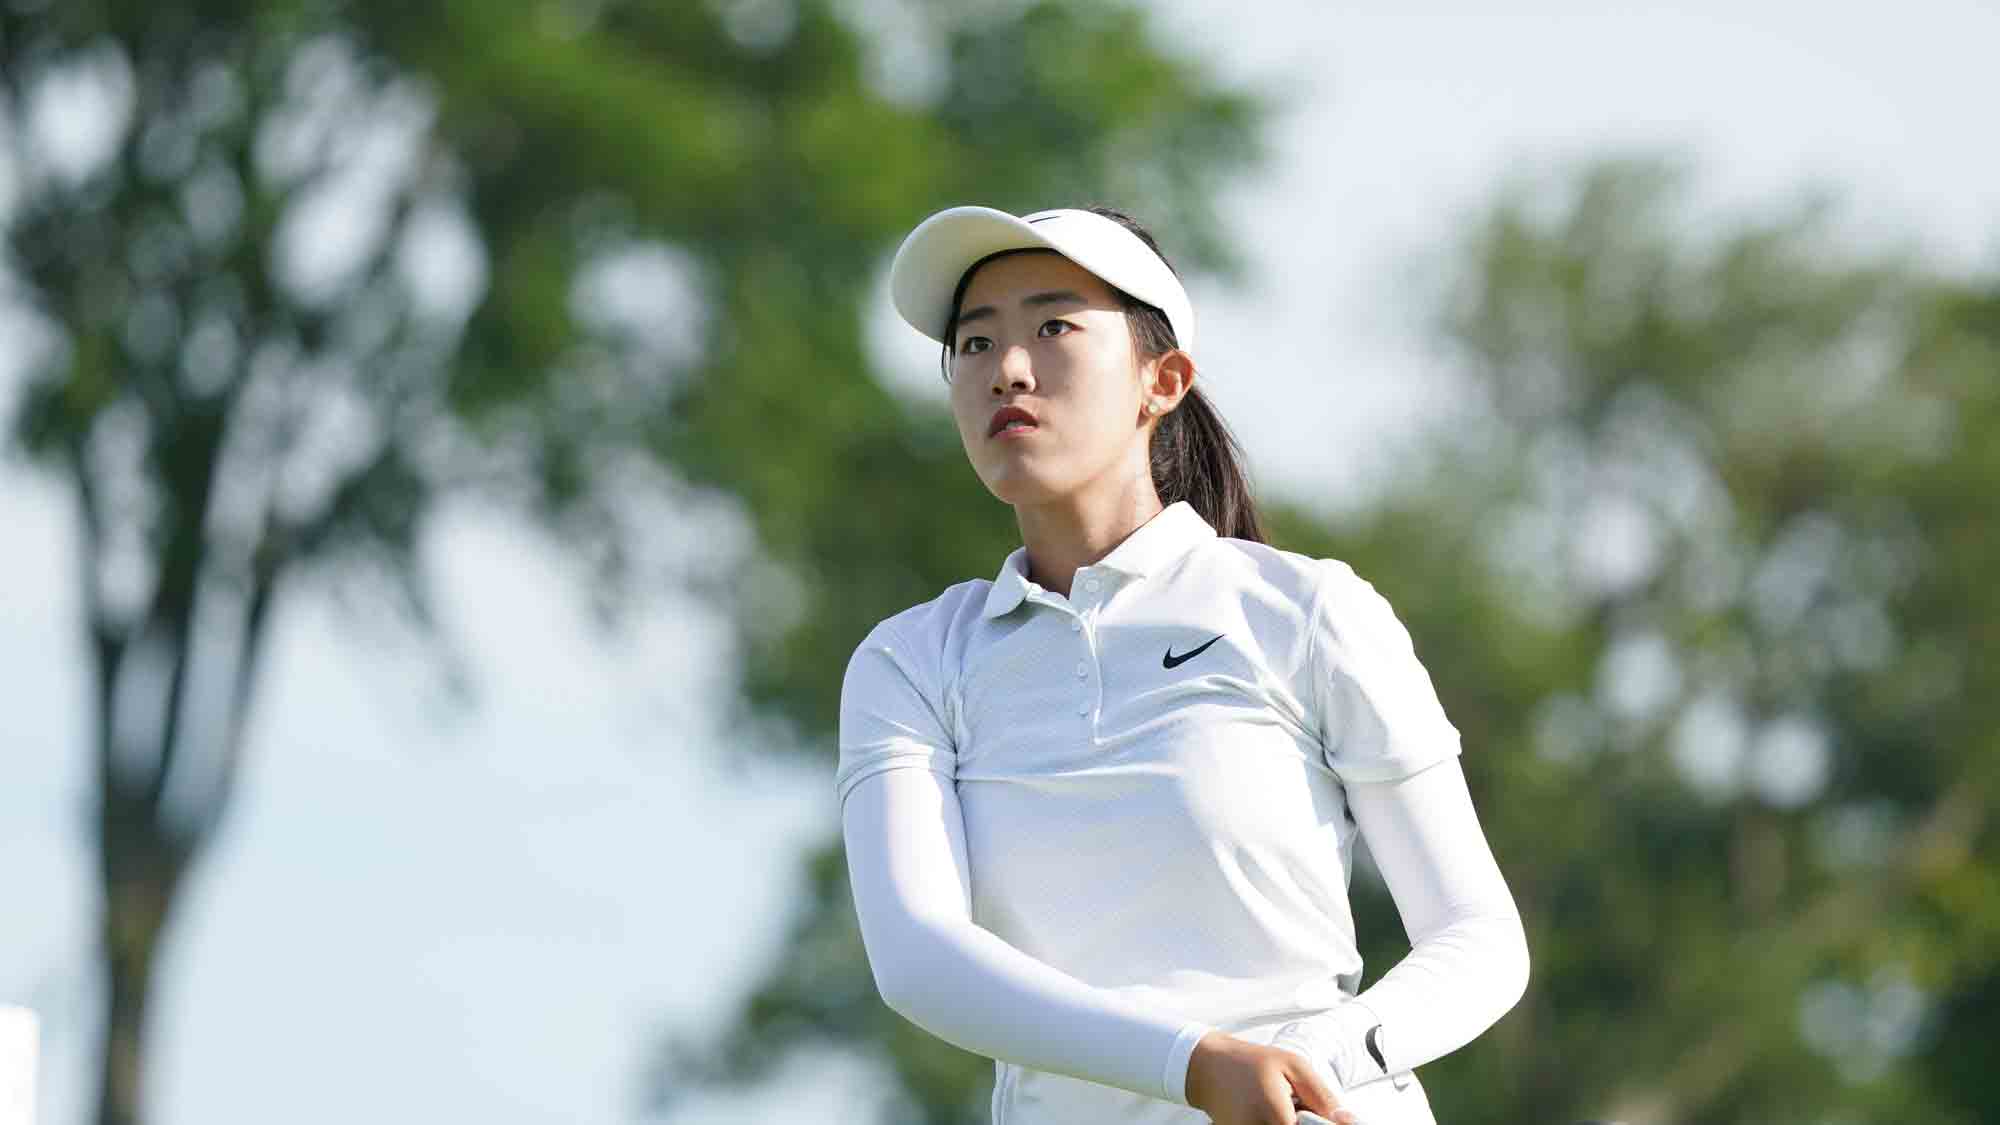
(1194,457)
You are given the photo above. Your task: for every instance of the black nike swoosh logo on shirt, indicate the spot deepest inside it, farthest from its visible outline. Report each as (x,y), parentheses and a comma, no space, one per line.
(1171,661)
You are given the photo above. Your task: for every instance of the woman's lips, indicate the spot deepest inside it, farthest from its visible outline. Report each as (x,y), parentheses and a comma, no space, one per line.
(1014,430)
(1004,418)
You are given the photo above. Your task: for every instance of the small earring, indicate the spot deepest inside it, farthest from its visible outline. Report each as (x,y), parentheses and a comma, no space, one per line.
(1152,408)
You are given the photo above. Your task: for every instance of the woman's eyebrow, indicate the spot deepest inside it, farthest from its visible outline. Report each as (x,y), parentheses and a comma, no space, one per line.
(1052,297)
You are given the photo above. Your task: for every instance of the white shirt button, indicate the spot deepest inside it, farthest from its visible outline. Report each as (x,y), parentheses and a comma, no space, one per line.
(1075,625)
(1083,708)
(1082,669)
(1091,584)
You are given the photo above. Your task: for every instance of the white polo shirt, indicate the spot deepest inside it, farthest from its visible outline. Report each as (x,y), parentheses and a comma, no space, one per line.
(1150,770)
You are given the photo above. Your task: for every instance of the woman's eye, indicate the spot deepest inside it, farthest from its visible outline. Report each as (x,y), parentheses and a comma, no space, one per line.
(973,344)
(1064,325)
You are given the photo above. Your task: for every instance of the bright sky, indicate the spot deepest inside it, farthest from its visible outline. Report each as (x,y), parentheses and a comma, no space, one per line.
(422,913)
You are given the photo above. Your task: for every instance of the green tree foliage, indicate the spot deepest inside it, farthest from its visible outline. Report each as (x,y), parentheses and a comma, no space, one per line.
(246,363)
(1704,577)
(1708,604)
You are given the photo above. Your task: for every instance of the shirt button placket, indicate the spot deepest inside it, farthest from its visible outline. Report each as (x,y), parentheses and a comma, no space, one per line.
(1090,586)
(1083,681)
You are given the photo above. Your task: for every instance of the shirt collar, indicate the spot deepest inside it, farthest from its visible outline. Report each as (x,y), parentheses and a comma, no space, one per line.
(1171,533)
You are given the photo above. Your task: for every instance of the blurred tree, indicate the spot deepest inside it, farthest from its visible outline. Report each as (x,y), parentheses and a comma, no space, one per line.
(1703,571)
(284,274)
(1706,591)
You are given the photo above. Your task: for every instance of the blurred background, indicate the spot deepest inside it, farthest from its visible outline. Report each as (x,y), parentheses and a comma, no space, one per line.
(451,450)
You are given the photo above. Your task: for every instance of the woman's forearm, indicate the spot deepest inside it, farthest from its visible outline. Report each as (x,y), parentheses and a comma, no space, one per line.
(962,983)
(1468,961)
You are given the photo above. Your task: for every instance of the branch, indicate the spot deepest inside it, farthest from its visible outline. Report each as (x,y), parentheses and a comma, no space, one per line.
(107,646)
(196,446)
(248,653)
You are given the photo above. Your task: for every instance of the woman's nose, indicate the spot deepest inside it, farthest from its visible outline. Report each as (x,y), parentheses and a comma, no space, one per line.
(1013,369)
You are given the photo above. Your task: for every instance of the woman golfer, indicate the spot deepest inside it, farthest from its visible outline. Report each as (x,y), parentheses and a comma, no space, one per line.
(1100,812)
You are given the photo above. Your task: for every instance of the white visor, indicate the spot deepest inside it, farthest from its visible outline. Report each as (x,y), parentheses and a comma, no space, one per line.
(928,265)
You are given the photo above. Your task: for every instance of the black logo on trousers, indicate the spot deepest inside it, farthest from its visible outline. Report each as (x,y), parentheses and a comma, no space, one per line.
(1172,661)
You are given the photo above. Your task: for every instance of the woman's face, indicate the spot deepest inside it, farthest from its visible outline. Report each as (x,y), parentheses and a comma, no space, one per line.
(1039,332)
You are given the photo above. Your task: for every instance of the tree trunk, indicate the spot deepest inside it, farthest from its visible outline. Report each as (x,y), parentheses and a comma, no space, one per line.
(142,869)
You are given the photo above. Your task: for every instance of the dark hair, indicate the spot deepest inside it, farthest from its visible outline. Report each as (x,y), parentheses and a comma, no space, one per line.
(1194,457)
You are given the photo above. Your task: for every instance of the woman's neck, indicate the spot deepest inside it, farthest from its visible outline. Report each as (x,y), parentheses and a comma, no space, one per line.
(1078,531)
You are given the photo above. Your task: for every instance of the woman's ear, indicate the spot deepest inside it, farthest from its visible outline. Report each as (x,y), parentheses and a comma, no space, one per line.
(1170,377)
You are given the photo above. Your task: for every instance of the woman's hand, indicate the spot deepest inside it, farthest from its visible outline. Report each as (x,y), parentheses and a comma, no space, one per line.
(1237,1082)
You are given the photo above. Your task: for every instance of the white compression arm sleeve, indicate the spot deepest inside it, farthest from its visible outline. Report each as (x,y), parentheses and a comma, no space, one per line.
(1468,962)
(936,967)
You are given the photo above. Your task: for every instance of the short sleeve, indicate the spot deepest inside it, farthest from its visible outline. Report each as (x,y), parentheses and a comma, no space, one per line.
(891,715)
(1379,715)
